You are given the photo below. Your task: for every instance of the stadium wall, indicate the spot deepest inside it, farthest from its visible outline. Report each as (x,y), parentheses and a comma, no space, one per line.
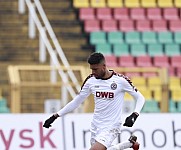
(24,131)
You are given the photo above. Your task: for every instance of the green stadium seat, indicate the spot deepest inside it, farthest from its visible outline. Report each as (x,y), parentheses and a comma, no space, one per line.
(151,106)
(149,37)
(165,37)
(172,49)
(132,37)
(177,37)
(138,50)
(172,106)
(155,50)
(115,37)
(121,49)
(106,48)
(178,106)
(98,37)
(3,106)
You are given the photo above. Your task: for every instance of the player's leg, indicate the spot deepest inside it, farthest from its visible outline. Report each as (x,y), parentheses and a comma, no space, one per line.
(131,143)
(98,146)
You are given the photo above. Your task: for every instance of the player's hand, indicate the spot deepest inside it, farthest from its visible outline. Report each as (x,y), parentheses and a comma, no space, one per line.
(130,120)
(49,121)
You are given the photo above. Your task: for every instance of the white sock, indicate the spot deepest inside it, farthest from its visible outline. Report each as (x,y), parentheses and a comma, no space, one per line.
(121,146)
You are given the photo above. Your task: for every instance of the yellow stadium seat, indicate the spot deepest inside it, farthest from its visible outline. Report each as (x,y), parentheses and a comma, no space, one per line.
(178,3)
(114,3)
(128,97)
(157,94)
(147,93)
(80,3)
(139,81)
(148,3)
(98,3)
(174,83)
(132,3)
(154,82)
(176,95)
(165,3)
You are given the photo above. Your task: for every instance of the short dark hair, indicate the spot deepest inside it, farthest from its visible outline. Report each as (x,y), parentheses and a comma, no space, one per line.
(96,58)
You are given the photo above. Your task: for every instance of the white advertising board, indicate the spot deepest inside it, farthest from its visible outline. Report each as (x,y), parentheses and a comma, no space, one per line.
(25,132)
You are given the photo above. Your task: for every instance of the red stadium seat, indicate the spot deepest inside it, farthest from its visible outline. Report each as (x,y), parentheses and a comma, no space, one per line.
(175,25)
(154,13)
(92,25)
(132,74)
(109,25)
(126,25)
(126,61)
(86,13)
(161,61)
(149,74)
(171,71)
(121,13)
(160,25)
(143,25)
(111,60)
(143,61)
(104,13)
(178,71)
(137,13)
(170,13)
(175,61)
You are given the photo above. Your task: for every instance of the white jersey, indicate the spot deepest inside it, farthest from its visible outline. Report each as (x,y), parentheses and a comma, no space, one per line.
(108,97)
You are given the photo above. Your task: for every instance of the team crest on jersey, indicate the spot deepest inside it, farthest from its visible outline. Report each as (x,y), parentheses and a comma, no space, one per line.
(113,86)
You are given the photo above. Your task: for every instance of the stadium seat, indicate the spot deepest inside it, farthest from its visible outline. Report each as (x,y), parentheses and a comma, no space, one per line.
(179,106)
(132,3)
(132,74)
(121,13)
(159,25)
(172,106)
(178,71)
(174,83)
(147,93)
(115,37)
(148,3)
(172,49)
(3,106)
(98,37)
(177,37)
(133,37)
(177,3)
(149,74)
(138,50)
(109,25)
(155,50)
(126,25)
(149,37)
(121,49)
(104,48)
(81,3)
(151,106)
(154,82)
(91,25)
(161,61)
(137,13)
(86,13)
(126,61)
(143,61)
(170,13)
(171,71)
(175,25)
(98,3)
(114,3)
(143,25)
(176,95)
(175,61)
(157,94)
(111,60)
(154,13)
(104,13)
(165,37)
(139,82)
(165,3)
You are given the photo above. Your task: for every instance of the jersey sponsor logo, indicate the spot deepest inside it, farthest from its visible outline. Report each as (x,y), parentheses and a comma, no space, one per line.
(113,86)
(109,95)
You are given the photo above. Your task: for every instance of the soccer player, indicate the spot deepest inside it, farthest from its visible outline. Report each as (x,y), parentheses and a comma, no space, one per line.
(108,88)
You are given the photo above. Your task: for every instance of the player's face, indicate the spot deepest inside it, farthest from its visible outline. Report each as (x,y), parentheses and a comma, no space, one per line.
(98,70)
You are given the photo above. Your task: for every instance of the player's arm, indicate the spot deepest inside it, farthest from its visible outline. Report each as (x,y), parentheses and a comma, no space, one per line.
(138,97)
(84,93)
